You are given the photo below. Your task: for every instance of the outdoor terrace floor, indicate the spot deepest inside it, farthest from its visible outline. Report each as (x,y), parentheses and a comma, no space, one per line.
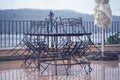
(101,70)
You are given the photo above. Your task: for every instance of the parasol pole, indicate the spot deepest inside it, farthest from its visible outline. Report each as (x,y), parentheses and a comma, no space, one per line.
(102,48)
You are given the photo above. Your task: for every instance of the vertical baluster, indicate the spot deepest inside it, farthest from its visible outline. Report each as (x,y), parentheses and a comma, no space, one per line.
(8,33)
(91,27)
(98,34)
(6,37)
(107,33)
(19,31)
(16,31)
(23,27)
(34,31)
(27,26)
(86,28)
(115,31)
(110,32)
(12,33)
(118,27)
(111,29)
(100,31)
(10,23)
(1,33)
(93,32)
(4,33)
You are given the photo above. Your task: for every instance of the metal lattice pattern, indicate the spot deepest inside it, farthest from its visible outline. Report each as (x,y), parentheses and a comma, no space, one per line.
(56,43)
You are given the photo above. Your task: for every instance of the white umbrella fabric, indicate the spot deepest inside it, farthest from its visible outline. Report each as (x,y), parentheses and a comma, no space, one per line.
(103,17)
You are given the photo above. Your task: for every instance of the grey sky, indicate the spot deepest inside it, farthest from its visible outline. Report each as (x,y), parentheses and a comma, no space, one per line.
(84,6)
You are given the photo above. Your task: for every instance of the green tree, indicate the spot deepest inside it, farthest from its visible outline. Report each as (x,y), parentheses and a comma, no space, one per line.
(114,39)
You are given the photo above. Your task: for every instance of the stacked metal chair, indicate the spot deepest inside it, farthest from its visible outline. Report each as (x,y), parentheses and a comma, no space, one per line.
(56,43)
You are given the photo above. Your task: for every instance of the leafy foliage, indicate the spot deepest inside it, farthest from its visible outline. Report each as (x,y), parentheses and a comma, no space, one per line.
(114,39)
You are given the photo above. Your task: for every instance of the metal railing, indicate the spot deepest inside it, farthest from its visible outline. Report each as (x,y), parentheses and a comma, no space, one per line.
(11,31)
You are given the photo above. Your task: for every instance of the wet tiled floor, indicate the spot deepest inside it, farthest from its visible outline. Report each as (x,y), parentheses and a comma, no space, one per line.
(101,70)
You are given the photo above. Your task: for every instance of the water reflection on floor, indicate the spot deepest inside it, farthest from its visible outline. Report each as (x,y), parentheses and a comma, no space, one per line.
(107,70)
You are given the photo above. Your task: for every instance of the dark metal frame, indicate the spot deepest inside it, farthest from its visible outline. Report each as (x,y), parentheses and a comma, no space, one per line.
(57,42)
